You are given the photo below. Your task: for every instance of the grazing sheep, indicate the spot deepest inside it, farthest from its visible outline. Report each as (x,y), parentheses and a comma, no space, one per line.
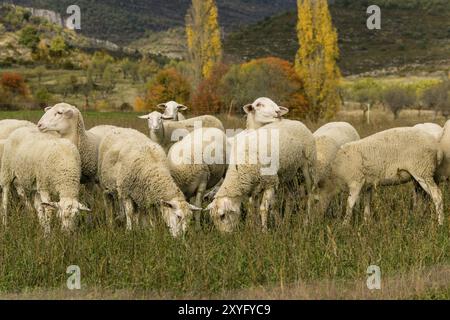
(172,111)
(42,166)
(391,157)
(434,129)
(329,138)
(68,123)
(8,126)
(263,111)
(162,131)
(291,143)
(134,169)
(198,162)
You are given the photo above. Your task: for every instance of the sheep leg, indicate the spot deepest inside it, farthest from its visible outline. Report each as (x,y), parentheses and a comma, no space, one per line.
(5,203)
(267,203)
(129,213)
(108,202)
(367,202)
(22,194)
(430,187)
(355,190)
(198,202)
(309,187)
(418,198)
(43,213)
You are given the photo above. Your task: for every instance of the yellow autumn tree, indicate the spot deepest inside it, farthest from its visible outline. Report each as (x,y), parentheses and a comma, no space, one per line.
(203,38)
(316,59)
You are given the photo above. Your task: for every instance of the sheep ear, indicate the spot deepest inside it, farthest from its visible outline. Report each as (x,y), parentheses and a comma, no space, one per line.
(182,107)
(161,106)
(50,205)
(69,114)
(284,111)
(146,117)
(48,109)
(194,208)
(82,207)
(248,108)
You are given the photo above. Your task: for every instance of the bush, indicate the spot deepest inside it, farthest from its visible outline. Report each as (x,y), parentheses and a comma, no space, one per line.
(14,83)
(167,85)
(29,37)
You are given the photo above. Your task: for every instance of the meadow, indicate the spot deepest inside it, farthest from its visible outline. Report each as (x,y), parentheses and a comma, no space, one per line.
(321,259)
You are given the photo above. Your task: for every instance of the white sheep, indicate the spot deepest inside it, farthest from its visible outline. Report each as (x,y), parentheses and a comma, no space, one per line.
(391,157)
(42,166)
(198,162)
(329,138)
(432,128)
(291,144)
(135,170)
(263,111)
(67,121)
(10,125)
(172,110)
(162,131)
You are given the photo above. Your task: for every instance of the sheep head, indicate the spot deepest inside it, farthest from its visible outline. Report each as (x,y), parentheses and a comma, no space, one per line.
(225,213)
(67,210)
(171,110)
(155,120)
(177,214)
(62,118)
(265,111)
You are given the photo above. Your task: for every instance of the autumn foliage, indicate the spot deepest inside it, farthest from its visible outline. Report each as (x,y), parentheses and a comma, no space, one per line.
(167,85)
(13,83)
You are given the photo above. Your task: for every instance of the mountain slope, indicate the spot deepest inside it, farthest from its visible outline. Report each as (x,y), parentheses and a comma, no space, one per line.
(414,36)
(123,21)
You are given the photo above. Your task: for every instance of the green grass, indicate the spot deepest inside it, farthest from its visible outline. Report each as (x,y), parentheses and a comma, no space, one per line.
(207,264)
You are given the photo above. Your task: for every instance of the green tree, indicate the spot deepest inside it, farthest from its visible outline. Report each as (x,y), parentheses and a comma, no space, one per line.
(29,37)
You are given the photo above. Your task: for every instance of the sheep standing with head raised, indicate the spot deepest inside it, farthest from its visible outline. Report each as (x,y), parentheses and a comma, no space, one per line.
(134,169)
(292,148)
(391,157)
(67,121)
(43,166)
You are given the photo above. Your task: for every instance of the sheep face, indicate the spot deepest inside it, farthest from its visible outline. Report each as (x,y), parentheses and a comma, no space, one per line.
(67,209)
(177,214)
(265,111)
(171,110)
(225,213)
(155,120)
(58,118)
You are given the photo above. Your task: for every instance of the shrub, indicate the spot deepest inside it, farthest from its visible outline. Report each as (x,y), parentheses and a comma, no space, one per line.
(29,37)
(167,85)
(14,83)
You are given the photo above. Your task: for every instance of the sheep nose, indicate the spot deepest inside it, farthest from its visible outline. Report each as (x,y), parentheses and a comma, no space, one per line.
(40,125)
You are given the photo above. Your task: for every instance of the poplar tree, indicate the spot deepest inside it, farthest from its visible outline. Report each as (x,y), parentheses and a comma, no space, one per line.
(316,59)
(203,38)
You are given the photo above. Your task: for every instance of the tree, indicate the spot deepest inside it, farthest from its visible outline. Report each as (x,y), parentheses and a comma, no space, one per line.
(397,98)
(109,80)
(437,98)
(58,47)
(29,37)
(167,85)
(42,97)
(366,92)
(316,59)
(203,38)
(268,77)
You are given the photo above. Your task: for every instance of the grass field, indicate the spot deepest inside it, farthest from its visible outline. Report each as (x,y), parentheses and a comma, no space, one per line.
(323,259)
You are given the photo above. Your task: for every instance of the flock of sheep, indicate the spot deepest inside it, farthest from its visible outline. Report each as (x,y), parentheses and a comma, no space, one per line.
(43,165)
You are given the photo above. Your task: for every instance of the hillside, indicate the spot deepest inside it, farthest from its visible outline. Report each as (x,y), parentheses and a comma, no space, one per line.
(408,36)
(124,21)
